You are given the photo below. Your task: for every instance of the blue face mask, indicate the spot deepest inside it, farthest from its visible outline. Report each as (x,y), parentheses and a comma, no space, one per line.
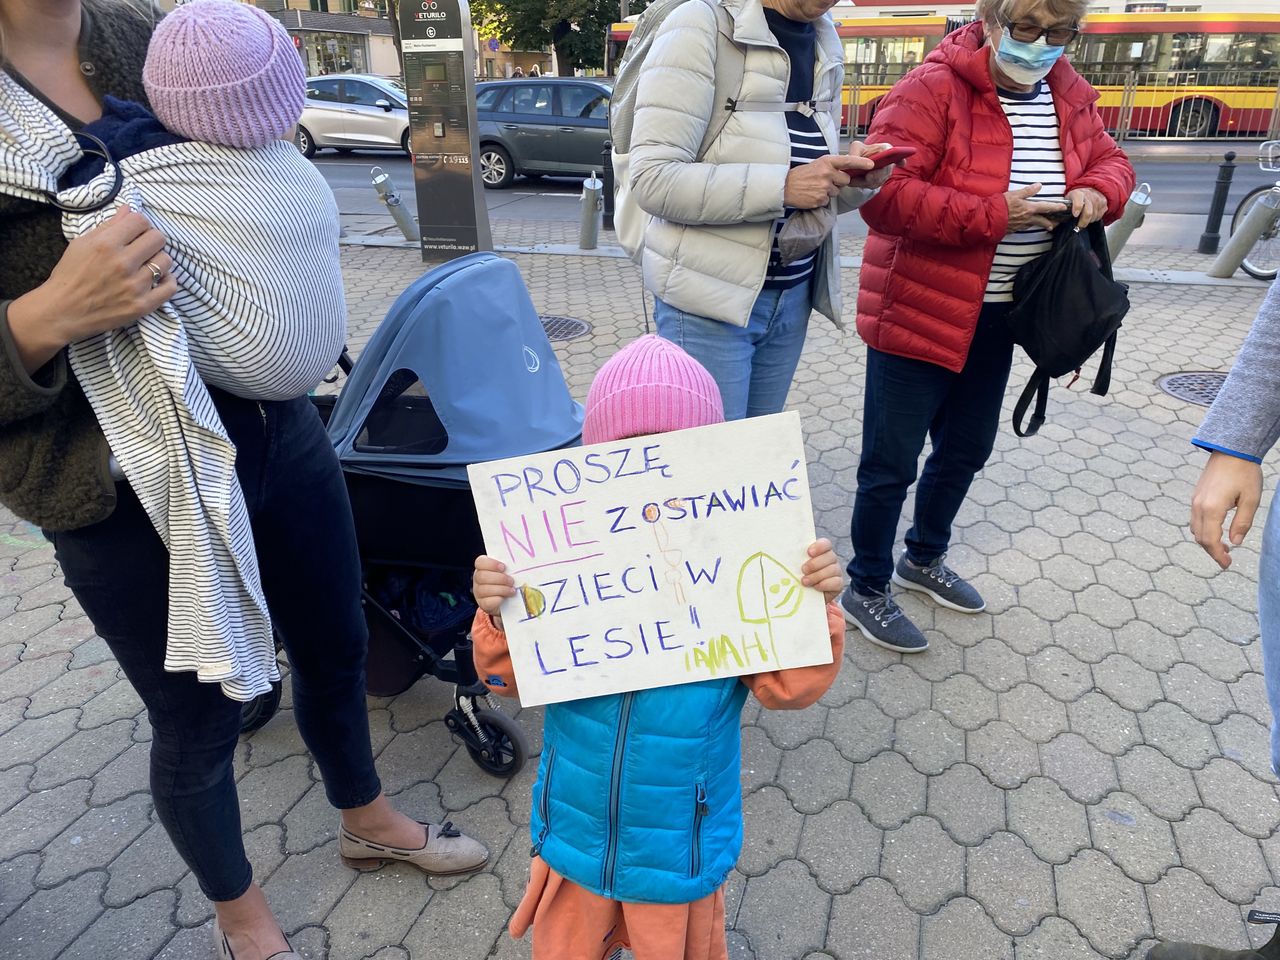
(1026,63)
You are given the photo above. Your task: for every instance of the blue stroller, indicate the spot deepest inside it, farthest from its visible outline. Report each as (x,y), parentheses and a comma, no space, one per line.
(460,371)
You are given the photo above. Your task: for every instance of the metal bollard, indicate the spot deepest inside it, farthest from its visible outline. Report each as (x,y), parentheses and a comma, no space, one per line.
(1134,213)
(1242,241)
(387,193)
(589,229)
(1226,170)
(607,177)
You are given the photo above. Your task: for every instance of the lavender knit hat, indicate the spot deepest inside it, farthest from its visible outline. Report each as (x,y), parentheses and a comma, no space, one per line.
(224,72)
(649,386)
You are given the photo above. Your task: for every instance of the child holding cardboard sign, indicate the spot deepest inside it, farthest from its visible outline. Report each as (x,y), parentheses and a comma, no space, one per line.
(637,810)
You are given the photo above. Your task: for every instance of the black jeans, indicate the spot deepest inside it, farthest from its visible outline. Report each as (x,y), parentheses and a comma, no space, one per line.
(305,538)
(905,400)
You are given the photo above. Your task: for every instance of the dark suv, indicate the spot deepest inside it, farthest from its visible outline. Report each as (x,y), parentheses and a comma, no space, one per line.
(539,126)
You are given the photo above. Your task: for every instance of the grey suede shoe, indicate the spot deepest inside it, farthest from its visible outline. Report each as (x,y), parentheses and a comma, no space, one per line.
(1196,951)
(223,948)
(448,852)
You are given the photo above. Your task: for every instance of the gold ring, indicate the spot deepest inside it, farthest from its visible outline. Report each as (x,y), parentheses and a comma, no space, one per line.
(157,275)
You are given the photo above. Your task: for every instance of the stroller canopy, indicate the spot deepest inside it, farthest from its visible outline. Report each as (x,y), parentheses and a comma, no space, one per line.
(459,372)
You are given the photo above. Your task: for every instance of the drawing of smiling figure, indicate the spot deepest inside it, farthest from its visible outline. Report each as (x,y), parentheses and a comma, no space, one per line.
(767,590)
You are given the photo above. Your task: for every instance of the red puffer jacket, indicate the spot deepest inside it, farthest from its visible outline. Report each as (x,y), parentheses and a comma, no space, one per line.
(936,222)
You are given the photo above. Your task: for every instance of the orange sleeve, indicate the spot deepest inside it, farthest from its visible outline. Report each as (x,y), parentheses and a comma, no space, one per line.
(800,687)
(492,656)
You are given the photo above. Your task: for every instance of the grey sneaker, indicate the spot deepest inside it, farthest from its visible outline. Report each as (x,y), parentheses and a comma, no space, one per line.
(882,621)
(940,582)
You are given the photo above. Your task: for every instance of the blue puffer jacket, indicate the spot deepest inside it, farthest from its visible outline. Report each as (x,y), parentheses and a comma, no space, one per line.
(663,767)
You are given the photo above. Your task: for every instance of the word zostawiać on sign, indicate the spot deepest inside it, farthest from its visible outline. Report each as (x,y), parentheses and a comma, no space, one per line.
(654,561)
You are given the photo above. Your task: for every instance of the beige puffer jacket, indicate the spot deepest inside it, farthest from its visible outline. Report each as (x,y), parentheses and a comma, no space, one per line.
(706,248)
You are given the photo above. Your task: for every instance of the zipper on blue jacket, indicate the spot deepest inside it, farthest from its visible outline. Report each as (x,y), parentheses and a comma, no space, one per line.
(615,796)
(544,805)
(700,811)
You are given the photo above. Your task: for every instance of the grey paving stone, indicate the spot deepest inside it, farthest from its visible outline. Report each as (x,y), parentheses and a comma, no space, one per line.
(966,803)
(859,730)
(82,755)
(467,918)
(415,756)
(1247,742)
(62,636)
(929,742)
(1060,674)
(1184,908)
(32,739)
(1128,683)
(791,728)
(1250,695)
(1054,939)
(310,822)
(872,923)
(888,790)
(899,691)
(760,758)
(376,913)
(118,702)
(1248,803)
(17,881)
(1178,735)
(29,825)
(1084,637)
(1013,566)
(961,931)
(1221,659)
(1003,754)
(72,688)
(1054,825)
(850,684)
(1226,858)
(1147,646)
(841,846)
(1024,632)
(764,850)
(268,793)
(1103,904)
(1068,572)
(13,786)
(310,943)
(127,774)
(1196,692)
(1013,885)
(1033,713)
(278,740)
(1139,842)
(1165,788)
(136,930)
(307,886)
(1101,603)
(995,665)
(147,865)
(1105,724)
(924,865)
(815,775)
(945,657)
(1166,613)
(782,934)
(97,837)
(1260,933)
(51,919)
(965,702)
(1225,619)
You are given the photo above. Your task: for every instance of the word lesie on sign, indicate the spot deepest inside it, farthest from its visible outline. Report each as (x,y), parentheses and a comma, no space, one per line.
(654,561)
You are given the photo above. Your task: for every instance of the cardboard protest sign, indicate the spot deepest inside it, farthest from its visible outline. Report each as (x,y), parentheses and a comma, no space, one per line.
(655,561)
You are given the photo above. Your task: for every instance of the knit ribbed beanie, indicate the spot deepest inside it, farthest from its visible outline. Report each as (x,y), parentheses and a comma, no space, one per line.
(649,386)
(224,72)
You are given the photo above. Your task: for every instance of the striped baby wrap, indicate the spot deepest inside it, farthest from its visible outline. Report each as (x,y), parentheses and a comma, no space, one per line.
(259,312)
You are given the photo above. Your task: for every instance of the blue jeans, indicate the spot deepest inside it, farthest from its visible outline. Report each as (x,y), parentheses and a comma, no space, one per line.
(119,572)
(960,412)
(1269,623)
(752,365)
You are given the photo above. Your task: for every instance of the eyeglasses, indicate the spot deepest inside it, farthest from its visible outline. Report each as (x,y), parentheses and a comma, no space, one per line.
(1027,32)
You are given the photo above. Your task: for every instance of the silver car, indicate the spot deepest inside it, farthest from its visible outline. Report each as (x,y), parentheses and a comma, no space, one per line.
(353,111)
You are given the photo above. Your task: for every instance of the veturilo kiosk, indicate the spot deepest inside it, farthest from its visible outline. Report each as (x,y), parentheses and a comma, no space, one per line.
(439,54)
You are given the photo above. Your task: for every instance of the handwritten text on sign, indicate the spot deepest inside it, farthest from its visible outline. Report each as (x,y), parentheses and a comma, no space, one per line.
(654,561)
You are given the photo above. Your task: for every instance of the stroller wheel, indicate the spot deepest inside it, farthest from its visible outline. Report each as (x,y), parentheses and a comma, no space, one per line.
(505,749)
(255,714)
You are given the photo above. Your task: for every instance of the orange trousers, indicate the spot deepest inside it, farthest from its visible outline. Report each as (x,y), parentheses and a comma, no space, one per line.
(572,923)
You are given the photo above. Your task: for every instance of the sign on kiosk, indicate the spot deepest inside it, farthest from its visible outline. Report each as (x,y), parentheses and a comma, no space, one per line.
(660,560)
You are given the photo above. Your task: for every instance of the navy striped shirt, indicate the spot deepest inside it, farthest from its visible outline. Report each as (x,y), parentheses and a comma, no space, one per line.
(1037,158)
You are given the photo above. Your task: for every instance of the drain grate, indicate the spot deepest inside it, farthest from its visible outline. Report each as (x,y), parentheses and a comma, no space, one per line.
(564,328)
(1198,386)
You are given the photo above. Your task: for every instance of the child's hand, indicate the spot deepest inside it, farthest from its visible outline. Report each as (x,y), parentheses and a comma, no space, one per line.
(821,571)
(490,585)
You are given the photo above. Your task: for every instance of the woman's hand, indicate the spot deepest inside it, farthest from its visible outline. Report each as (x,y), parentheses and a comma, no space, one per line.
(1227,483)
(1025,213)
(490,585)
(872,179)
(1087,205)
(104,281)
(822,570)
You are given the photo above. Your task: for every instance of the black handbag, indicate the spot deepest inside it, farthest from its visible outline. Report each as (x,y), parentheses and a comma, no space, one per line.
(1066,305)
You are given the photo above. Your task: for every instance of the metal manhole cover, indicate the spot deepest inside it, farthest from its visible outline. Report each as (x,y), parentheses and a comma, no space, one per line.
(564,328)
(1199,386)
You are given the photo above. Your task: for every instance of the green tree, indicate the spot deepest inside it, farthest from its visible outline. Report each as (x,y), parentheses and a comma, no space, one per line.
(575,28)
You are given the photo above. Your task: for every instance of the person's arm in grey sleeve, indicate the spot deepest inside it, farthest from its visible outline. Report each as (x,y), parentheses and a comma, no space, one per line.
(1241,426)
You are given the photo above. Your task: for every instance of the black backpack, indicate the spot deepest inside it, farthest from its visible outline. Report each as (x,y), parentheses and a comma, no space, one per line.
(1065,306)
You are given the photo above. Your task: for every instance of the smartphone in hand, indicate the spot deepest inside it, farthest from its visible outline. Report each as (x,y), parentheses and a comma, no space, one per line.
(891,155)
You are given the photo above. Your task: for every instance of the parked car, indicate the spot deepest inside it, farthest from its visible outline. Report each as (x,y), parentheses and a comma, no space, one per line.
(539,126)
(353,111)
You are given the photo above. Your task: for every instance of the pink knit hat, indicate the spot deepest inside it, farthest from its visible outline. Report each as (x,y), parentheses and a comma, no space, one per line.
(650,386)
(224,72)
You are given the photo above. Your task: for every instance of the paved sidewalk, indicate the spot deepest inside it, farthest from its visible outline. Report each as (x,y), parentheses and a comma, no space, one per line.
(1067,776)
